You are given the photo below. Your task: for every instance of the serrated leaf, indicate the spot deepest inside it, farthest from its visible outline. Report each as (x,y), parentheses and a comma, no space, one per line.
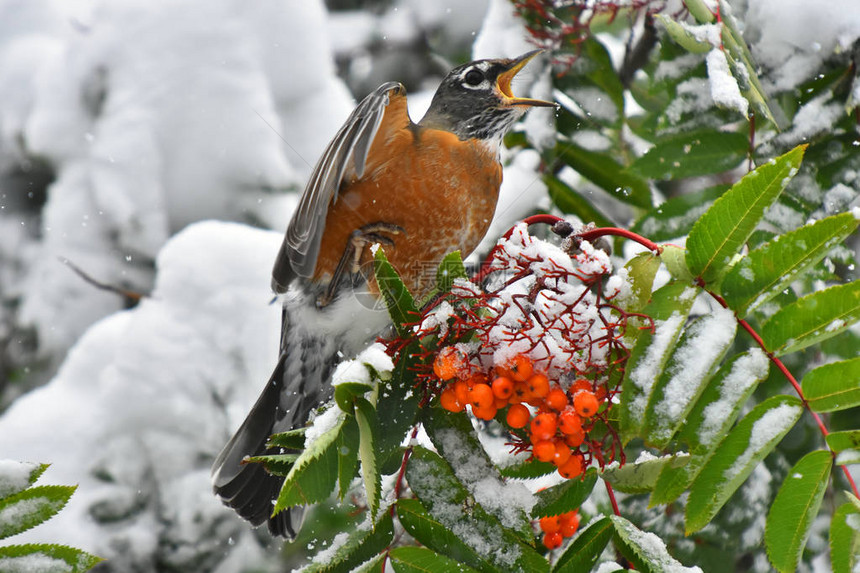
(29,508)
(641,271)
(845,440)
(645,550)
(314,475)
(347,456)
(422,560)
(720,233)
(701,347)
(368,428)
(15,476)
(455,439)
(602,170)
(278,464)
(845,539)
(641,477)
(399,401)
(813,318)
(528,470)
(769,269)
(669,308)
(683,36)
(746,445)
(292,439)
(345,393)
(676,217)
(450,268)
(572,203)
(834,386)
(790,518)
(581,555)
(564,497)
(447,501)
(426,530)
(400,304)
(361,544)
(693,154)
(76,560)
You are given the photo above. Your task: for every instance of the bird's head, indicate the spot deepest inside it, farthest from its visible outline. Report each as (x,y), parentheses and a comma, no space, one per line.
(475,100)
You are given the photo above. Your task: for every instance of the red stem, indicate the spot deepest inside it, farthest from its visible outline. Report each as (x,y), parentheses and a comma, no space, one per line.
(611,494)
(789,376)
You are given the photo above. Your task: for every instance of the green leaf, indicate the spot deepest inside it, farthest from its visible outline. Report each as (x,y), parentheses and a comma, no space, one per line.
(75,560)
(790,518)
(720,233)
(455,439)
(745,446)
(641,477)
(684,37)
(314,475)
(676,217)
(669,308)
(641,271)
(602,170)
(399,401)
(813,318)
(347,456)
(368,428)
(693,154)
(845,539)
(361,544)
(845,440)
(572,203)
(646,551)
(701,347)
(278,464)
(434,483)
(834,386)
(700,11)
(25,509)
(15,476)
(769,269)
(426,530)
(401,305)
(581,555)
(450,268)
(528,470)
(564,497)
(345,393)
(291,440)
(422,560)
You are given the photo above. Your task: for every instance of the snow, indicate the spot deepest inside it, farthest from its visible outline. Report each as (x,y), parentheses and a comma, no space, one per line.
(774,422)
(724,86)
(15,476)
(705,342)
(746,371)
(652,548)
(644,375)
(361,369)
(37,563)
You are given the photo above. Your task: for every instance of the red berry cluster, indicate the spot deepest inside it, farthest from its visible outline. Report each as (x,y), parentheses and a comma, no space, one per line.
(558,527)
(551,422)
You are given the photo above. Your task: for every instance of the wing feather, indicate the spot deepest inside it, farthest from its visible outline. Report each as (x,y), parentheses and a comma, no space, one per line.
(298,254)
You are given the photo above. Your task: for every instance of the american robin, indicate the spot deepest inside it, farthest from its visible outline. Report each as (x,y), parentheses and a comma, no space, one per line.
(420,189)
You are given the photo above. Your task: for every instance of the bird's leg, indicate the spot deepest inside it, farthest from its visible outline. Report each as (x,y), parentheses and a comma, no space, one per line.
(350,260)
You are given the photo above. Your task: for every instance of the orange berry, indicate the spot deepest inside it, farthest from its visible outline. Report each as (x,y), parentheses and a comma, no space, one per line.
(521,393)
(448,399)
(556,399)
(500,403)
(550,523)
(518,416)
(481,396)
(572,468)
(538,385)
(543,426)
(600,394)
(461,391)
(575,439)
(521,368)
(447,362)
(485,413)
(569,523)
(544,450)
(581,384)
(585,403)
(503,387)
(552,540)
(569,422)
(562,454)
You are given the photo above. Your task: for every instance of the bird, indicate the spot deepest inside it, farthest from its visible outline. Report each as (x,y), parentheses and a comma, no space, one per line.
(420,190)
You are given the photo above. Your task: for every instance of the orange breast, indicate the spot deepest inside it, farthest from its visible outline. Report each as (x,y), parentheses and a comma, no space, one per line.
(440,190)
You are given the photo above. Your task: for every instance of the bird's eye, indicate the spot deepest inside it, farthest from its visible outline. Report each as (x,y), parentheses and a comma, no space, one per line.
(473,77)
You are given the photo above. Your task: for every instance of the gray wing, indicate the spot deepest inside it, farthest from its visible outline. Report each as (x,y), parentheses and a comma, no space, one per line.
(298,254)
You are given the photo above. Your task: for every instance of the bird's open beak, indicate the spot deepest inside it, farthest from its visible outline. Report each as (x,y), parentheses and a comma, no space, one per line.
(503,82)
